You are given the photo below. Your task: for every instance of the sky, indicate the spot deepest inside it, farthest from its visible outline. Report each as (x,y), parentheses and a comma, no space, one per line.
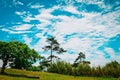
(88,26)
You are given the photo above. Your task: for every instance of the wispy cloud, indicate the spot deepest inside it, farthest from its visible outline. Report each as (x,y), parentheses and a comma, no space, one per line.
(23,27)
(71,9)
(36,6)
(27,40)
(15,32)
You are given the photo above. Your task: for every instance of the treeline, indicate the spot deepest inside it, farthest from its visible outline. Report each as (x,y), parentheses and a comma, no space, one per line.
(111,69)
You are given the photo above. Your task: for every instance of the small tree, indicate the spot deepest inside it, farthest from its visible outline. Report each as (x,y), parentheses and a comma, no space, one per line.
(53,46)
(79,59)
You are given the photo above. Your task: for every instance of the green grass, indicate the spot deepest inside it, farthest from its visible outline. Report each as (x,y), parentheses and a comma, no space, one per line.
(14,74)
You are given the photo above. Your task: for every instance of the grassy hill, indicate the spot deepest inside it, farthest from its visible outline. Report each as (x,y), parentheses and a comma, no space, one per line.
(14,74)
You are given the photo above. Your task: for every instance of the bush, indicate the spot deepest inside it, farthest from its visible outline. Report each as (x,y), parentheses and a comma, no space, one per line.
(60,67)
(112,69)
(83,69)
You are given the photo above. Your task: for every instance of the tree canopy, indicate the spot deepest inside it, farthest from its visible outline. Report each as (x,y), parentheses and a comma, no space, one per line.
(18,54)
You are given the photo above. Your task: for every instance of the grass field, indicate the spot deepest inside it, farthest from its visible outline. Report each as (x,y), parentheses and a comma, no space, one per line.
(14,74)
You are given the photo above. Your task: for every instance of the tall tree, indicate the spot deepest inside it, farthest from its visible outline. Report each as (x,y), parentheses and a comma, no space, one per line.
(53,46)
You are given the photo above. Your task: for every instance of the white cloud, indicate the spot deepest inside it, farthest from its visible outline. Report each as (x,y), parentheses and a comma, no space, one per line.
(27,40)
(40,44)
(91,22)
(99,60)
(36,6)
(15,2)
(78,44)
(1,63)
(68,57)
(65,56)
(20,3)
(20,13)
(112,54)
(70,25)
(109,50)
(28,18)
(15,32)
(71,9)
(23,27)
(46,13)
(44,17)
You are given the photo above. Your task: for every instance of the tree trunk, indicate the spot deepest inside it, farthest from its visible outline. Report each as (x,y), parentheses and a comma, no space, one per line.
(3,66)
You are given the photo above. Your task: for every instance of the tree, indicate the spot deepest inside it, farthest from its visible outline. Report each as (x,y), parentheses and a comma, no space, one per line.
(53,46)
(83,69)
(24,57)
(18,54)
(79,59)
(60,67)
(112,69)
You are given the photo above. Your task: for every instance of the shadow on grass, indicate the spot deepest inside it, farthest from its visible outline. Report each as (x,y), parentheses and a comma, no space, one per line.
(20,75)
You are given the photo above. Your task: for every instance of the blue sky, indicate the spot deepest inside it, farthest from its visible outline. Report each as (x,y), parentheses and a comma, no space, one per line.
(89,26)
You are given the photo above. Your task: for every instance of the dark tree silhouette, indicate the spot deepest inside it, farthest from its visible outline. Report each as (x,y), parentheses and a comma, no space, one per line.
(80,57)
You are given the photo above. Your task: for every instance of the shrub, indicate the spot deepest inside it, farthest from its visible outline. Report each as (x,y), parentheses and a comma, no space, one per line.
(60,67)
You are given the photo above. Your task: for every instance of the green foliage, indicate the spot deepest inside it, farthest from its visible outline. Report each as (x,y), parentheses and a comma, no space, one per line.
(7,50)
(34,68)
(24,57)
(60,67)
(99,71)
(18,54)
(112,69)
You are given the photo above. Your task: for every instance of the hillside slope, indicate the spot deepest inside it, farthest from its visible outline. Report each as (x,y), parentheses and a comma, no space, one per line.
(14,74)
